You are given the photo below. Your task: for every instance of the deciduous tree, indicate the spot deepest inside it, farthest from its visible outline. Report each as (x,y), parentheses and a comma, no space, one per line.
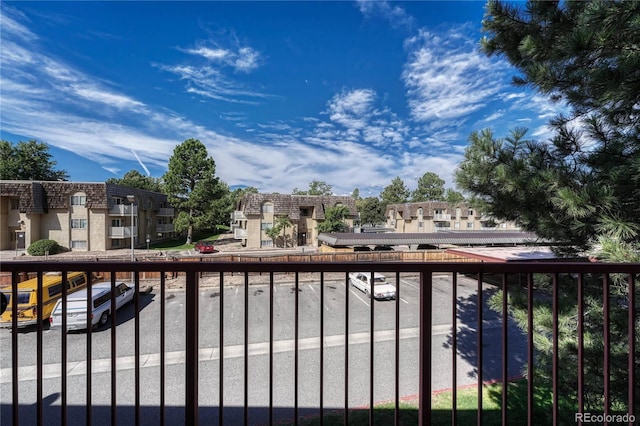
(28,161)
(134,179)
(371,211)
(316,187)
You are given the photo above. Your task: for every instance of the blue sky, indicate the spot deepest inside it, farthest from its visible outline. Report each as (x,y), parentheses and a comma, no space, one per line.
(281,93)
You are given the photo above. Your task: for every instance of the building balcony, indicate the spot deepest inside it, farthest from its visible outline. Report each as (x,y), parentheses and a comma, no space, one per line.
(274,342)
(166,212)
(240,233)
(123,210)
(122,232)
(164,227)
(238,215)
(439,217)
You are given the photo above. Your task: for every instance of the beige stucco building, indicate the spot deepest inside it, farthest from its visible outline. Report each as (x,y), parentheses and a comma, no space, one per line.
(256,213)
(434,216)
(81,216)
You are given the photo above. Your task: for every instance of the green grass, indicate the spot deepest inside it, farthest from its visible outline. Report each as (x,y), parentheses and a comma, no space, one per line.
(178,243)
(384,414)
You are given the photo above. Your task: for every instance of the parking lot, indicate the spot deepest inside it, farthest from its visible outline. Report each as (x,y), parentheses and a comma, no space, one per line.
(284,292)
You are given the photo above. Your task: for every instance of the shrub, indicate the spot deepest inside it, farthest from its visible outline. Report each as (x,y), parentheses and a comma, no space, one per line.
(41,247)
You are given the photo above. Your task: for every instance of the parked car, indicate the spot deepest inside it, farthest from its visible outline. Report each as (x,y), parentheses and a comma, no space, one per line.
(381,288)
(100,305)
(204,247)
(27,312)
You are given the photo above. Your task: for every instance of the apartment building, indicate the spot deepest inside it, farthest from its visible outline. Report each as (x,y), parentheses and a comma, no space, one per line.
(81,216)
(256,213)
(434,216)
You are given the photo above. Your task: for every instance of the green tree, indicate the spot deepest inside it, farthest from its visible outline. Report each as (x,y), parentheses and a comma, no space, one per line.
(316,187)
(273,233)
(394,193)
(28,161)
(582,187)
(134,179)
(191,186)
(452,196)
(283,222)
(430,188)
(334,219)
(371,210)
(356,194)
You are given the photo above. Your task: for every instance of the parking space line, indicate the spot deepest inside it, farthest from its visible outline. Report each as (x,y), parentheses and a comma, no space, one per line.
(410,284)
(404,301)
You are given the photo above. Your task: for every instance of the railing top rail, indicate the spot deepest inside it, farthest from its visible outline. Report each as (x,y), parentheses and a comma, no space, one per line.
(254,266)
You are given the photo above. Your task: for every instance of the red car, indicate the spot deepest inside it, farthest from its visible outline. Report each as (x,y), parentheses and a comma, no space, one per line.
(204,247)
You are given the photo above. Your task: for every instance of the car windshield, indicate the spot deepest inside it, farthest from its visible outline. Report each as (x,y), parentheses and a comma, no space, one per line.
(379,280)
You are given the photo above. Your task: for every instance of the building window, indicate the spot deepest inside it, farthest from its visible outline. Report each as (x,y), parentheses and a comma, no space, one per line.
(305,212)
(420,212)
(116,223)
(116,243)
(267,208)
(420,224)
(78,223)
(78,244)
(469,225)
(78,200)
(456,225)
(266,225)
(266,243)
(14,204)
(470,212)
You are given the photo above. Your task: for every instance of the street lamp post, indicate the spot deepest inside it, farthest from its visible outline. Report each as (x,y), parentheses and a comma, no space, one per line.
(131,199)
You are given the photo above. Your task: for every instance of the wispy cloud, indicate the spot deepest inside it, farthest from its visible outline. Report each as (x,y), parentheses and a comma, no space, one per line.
(447,78)
(396,15)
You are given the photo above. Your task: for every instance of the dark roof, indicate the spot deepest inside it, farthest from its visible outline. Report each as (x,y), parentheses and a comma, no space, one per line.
(38,197)
(434,238)
(290,205)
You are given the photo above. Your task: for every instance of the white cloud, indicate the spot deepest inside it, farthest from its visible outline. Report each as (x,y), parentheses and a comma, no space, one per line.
(447,78)
(395,14)
(352,109)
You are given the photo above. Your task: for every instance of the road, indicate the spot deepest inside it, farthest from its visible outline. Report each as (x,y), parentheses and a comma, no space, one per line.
(284,294)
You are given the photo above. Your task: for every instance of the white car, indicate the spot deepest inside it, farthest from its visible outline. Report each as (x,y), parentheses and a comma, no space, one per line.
(100,302)
(381,288)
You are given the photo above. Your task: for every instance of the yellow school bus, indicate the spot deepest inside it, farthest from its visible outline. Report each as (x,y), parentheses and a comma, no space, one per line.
(28,297)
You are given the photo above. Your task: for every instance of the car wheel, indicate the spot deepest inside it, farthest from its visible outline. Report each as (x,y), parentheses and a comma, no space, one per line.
(104,318)
(367,293)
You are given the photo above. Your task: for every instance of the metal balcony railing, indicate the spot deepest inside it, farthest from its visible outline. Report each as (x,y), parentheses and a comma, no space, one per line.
(351,362)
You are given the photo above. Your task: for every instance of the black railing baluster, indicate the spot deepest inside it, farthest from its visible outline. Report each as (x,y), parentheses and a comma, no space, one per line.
(270,348)
(89,415)
(397,354)
(555,362)
(14,346)
(162,346)
(113,350)
(606,343)
(580,345)
(246,348)
(372,294)
(480,344)
(632,347)
(39,359)
(346,350)
(321,348)
(191,350)
(136,343)
(530,359)
(505,349)
(295,352)
(454,349)
(426,306)
(63,343)
(221,352)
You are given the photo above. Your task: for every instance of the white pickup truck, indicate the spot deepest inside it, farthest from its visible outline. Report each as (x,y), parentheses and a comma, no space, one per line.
(381,288)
